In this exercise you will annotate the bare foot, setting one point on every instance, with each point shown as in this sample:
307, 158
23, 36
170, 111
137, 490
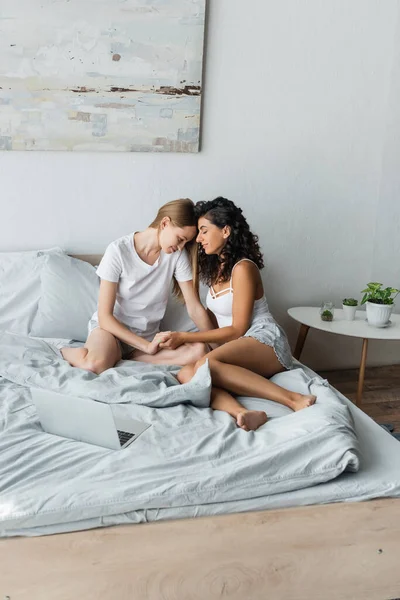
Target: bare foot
69, 354
300, 401
74, 356
250, 420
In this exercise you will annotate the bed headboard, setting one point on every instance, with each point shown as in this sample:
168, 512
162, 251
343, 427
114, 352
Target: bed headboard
93, 259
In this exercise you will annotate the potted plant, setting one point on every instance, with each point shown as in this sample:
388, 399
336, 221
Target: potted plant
326, 311
327, 315
379, 302
349, 308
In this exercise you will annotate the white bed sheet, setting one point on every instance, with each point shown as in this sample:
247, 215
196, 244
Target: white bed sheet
378, 476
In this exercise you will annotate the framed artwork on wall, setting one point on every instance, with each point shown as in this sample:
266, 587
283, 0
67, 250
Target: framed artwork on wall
101, 75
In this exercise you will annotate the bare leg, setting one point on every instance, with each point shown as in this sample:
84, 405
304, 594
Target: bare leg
222, 400
100, 352
250, 354
186, 373
246, 383
75, 356
242, 367
185, 354
249, 420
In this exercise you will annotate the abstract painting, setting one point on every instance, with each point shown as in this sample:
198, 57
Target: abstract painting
101, 75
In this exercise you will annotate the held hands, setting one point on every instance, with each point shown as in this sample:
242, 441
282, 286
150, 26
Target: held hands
165, 339
173, 340
157, 343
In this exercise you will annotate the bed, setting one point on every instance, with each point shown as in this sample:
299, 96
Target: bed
193, 463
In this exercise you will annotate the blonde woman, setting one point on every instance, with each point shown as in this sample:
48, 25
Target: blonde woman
136, 272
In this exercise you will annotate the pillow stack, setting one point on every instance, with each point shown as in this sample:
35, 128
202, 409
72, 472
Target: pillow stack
20, 288
46, 293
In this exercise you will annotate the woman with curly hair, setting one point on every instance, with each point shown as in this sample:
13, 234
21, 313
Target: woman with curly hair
249, 346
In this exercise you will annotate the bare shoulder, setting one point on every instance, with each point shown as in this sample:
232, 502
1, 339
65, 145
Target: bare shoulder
247, 276
246, 269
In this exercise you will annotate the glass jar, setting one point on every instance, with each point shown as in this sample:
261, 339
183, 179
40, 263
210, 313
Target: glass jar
326, 311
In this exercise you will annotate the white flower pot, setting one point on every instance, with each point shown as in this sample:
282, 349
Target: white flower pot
349, 312
378, 315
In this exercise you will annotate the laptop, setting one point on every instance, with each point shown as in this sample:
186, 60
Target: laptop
84, 420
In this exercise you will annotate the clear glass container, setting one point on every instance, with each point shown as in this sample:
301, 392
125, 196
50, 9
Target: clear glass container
326, 311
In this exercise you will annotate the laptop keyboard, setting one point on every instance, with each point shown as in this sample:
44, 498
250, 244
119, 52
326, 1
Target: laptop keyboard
124, 436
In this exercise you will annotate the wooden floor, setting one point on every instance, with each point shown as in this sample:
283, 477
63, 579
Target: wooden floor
381, 396
334, 552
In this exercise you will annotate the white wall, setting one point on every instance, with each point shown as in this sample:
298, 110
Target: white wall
386, 254
301, 110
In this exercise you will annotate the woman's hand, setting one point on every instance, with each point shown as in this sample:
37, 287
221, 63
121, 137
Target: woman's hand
174, 340
154, 346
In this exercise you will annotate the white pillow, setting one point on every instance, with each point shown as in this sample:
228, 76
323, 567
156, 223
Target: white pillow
69, 293
20, 288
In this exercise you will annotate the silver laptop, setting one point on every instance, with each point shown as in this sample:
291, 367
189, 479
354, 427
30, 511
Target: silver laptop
84, 420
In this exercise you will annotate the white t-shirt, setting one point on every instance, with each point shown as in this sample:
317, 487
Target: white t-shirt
143, 289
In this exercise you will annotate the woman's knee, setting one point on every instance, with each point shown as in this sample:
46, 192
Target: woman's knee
186, 373
212, 363
97, 365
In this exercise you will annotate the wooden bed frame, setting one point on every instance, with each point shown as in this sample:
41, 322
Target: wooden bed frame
329, 552
93, 259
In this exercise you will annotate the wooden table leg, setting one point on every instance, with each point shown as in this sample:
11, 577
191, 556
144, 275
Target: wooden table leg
362, 372
301, 338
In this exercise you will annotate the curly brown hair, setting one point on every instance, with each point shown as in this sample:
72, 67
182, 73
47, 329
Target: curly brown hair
242, 243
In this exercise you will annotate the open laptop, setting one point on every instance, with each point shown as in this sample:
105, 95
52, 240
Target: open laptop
84, 420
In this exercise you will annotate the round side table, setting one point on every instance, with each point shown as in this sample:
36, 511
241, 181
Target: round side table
309, 316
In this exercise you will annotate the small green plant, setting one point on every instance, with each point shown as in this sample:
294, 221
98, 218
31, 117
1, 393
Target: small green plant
327, 315
374, 293
350, 302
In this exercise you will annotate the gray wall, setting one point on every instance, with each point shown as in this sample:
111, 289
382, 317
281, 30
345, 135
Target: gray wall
301, 128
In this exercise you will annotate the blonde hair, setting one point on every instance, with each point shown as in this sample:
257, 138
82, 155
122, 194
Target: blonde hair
181, 213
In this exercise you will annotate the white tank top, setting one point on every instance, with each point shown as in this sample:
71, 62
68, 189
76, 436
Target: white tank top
220, 303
